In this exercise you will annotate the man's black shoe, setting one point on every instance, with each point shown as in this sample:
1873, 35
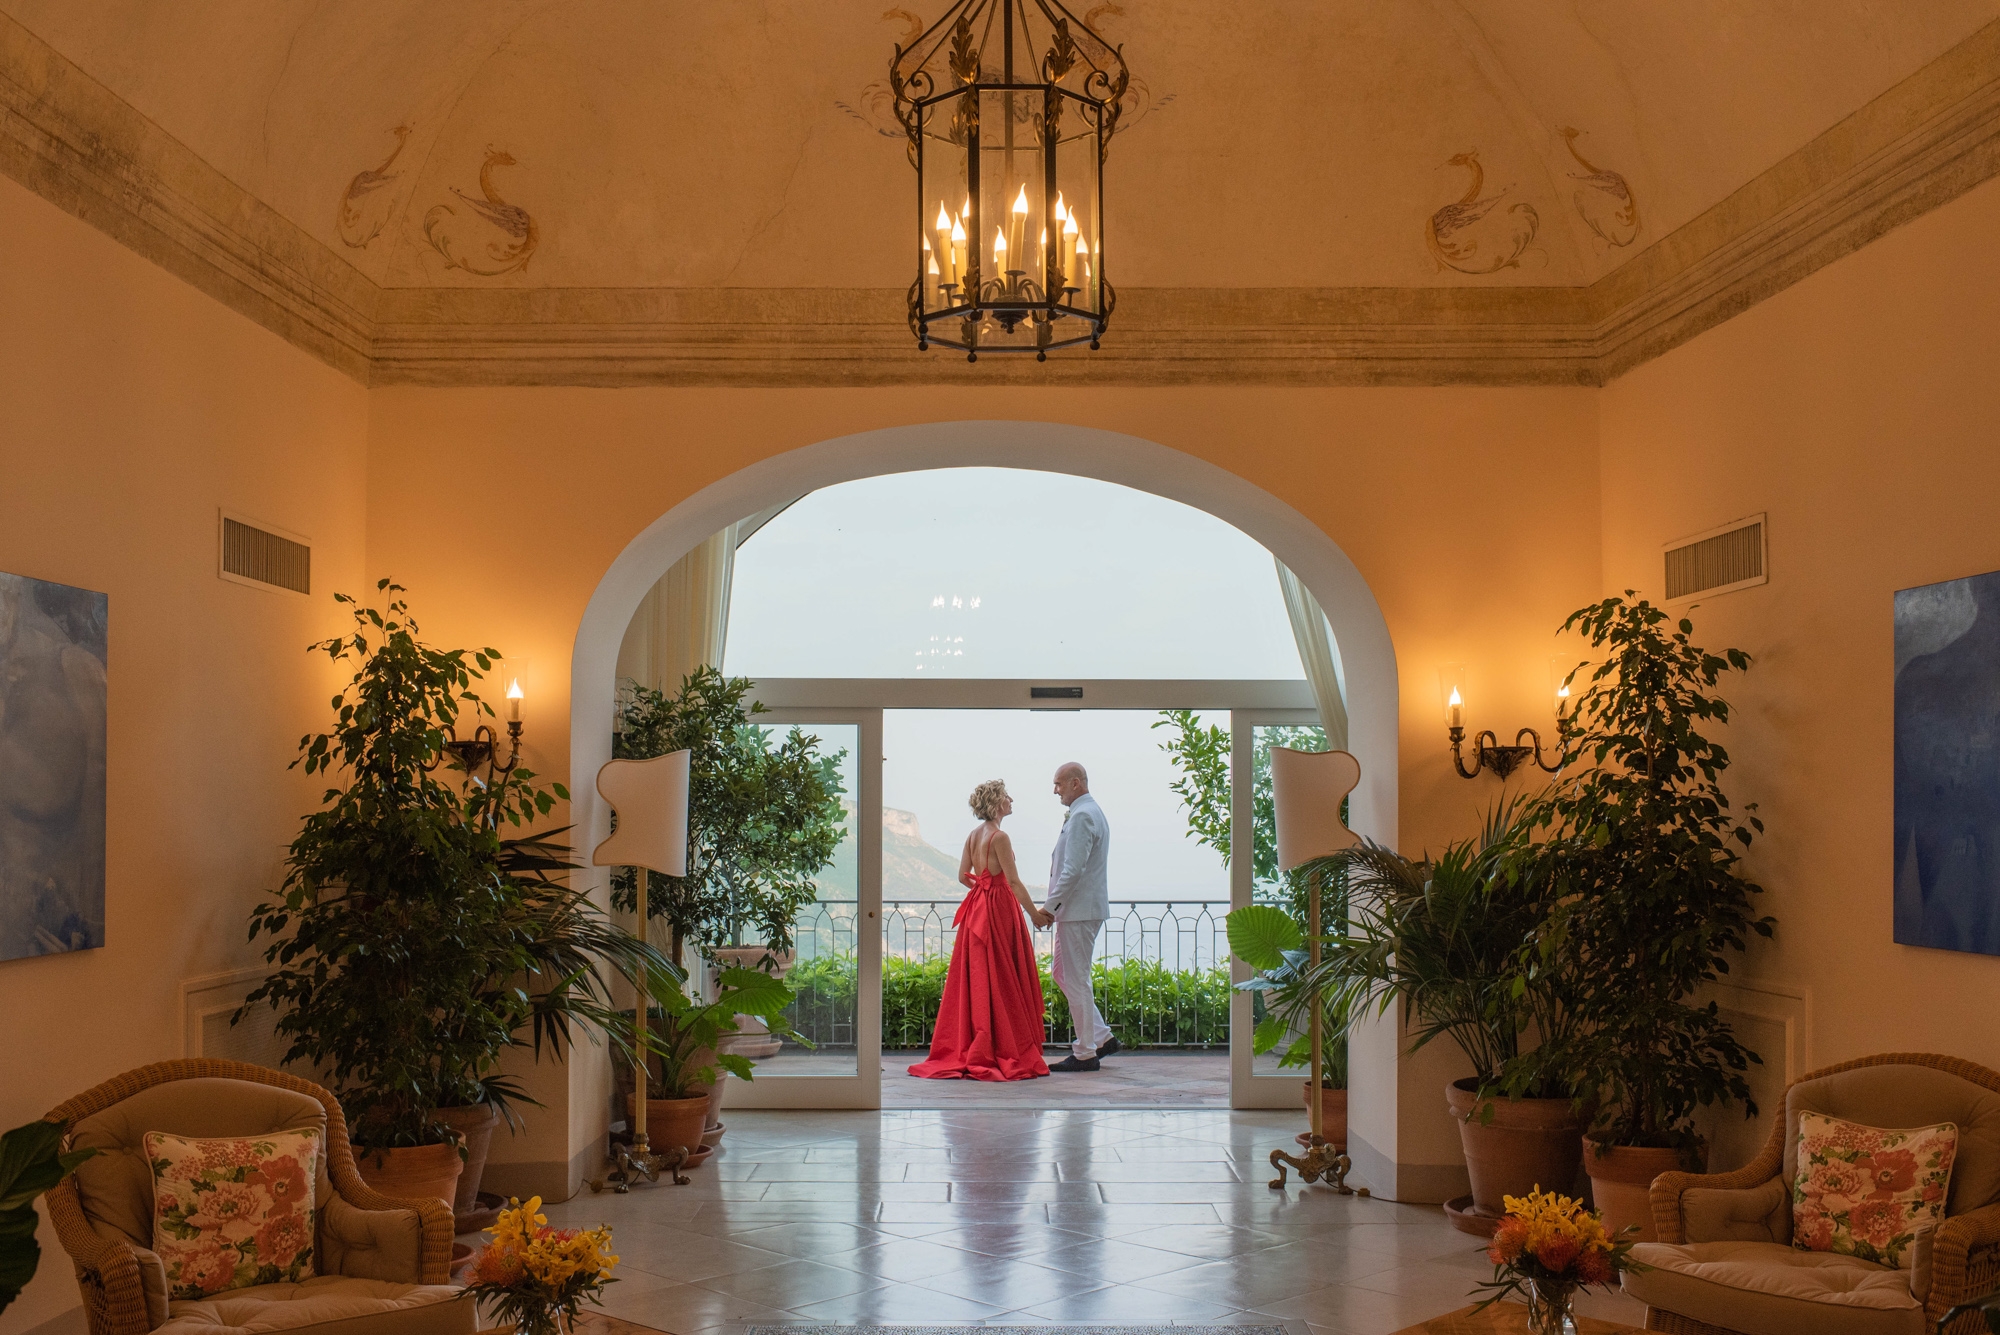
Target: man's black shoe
1111, 1045
1070, 1063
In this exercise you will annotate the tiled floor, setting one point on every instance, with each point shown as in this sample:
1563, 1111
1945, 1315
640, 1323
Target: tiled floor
1024, 1216
1128, 1080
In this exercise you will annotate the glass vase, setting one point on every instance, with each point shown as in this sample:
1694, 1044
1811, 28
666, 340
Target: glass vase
1550, 1308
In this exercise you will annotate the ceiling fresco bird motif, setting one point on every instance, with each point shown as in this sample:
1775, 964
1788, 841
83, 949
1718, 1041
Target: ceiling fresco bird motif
1605, 202
365, 209
1476, 236
505, 253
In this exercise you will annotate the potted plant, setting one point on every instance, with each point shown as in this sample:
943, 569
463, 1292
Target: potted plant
1442, 936
682, 1052
1272, 941
414, 945
1644, 853
32, 1161
764, 818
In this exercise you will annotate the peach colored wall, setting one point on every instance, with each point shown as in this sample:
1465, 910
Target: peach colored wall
1858, 409
135, 407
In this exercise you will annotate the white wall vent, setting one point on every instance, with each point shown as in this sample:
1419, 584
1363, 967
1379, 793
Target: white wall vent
264, 557
1721, 560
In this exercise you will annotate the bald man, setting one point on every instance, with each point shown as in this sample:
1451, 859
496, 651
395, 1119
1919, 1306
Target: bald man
1080, 900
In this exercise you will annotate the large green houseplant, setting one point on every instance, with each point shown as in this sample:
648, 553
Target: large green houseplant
414, 944
764, 814
1642, 845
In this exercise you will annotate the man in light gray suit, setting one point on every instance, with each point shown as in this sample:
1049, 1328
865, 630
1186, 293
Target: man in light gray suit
1080, 900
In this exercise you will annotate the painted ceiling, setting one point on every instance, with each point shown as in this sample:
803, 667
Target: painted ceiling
738, 143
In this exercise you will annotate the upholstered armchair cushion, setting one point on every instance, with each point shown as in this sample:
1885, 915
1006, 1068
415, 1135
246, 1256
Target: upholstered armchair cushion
1746, 1214
328, 1305
1770, 1288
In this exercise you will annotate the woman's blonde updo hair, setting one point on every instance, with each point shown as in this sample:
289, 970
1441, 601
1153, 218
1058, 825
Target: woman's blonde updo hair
986, 799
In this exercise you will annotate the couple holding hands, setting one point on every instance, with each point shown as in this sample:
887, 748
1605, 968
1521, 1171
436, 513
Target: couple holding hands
990, 1025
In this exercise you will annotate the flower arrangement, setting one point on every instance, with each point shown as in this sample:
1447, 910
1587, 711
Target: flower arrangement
537, 1276
1547, 1248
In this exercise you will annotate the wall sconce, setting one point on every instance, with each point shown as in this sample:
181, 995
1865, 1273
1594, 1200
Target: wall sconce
483, 747
1487, 752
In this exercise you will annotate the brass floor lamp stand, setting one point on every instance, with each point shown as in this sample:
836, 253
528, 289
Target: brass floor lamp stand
631, 1162
1322, 1161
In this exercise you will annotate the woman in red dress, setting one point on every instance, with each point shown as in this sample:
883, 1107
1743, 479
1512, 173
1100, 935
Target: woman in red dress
990, 1026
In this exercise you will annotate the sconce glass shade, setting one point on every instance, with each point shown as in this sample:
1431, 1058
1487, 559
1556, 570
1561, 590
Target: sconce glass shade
1452, 694
504, 690
1009, 106
1568, 680
1307, 788
650, 800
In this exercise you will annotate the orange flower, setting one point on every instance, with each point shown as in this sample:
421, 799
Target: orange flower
1557, 1252
1594, 1267
1509, 1240
497, 1265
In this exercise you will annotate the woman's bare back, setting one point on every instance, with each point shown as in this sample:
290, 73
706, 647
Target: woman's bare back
979, 849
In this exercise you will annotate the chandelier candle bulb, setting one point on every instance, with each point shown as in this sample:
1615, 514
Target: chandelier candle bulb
999, 252
1069, 240
931, 284
958, 245
943, 254
1455, 710
1017, 225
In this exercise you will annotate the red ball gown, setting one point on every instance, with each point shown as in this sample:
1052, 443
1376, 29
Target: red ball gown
990, 1026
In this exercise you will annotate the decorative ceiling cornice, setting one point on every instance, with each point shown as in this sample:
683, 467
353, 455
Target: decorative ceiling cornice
1920, 144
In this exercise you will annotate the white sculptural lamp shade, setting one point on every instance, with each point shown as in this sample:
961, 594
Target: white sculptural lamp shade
650, 798
1307, 788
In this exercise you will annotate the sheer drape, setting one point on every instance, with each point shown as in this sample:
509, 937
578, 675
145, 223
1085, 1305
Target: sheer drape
1316, 654
683, 621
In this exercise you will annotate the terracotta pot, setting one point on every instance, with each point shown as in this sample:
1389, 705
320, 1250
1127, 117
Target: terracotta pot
1621, 1182
412, 1172
475, 1126
1332, 1112
672, 1122
1526, 1143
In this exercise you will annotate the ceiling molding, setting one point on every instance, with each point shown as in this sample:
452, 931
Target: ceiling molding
1920, 144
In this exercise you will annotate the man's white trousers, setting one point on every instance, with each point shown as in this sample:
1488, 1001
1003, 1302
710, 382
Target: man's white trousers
1076, 942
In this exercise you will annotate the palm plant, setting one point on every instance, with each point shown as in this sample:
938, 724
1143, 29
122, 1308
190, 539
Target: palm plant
1444, 936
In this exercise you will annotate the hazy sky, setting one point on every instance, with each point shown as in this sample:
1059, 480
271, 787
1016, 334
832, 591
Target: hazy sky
991, 572
999, 572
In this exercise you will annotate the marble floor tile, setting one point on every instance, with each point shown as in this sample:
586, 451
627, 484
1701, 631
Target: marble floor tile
791, 1285
899, 1304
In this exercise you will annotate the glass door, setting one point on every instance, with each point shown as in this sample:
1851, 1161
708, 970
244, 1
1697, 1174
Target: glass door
1258, 1081
836, 965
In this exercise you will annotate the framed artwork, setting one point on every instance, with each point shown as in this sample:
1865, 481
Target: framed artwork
1948, 765
52, 737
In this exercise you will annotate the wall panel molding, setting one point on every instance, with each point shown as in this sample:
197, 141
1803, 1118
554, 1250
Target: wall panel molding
1922, 143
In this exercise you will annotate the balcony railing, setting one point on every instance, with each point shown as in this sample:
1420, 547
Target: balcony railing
1161, 975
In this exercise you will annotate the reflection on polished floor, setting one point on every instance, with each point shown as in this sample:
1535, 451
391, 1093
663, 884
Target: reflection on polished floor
1024, 1217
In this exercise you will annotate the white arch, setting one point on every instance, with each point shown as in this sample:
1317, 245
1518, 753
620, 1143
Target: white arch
1368, 658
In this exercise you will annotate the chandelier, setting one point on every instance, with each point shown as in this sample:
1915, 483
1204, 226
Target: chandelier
1010, 106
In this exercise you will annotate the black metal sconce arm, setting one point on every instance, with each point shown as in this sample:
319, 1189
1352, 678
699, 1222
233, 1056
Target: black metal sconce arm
1487, 753
483, 749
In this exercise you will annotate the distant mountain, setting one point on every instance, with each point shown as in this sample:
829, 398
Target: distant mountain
912, 868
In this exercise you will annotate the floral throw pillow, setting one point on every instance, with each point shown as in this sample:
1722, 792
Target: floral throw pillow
1865, 1191
231, 1213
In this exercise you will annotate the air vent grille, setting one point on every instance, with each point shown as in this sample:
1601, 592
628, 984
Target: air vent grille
258, 556
1720, 561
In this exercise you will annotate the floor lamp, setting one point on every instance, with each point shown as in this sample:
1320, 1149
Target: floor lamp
1307, 789
649, 806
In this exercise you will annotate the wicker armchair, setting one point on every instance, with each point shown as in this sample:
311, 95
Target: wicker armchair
1725, 1239
383, 1263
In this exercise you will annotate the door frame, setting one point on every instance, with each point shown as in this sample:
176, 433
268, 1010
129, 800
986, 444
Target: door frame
863, 1089
1247, 1089
863, 700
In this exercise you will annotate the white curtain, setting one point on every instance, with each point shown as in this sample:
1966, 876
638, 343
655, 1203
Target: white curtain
1317, 654
683, 621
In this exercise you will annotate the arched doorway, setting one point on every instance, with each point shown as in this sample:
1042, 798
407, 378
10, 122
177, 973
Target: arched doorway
1355, 619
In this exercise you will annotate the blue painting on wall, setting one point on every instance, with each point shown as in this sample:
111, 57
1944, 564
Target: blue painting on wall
1948, 765
52, 719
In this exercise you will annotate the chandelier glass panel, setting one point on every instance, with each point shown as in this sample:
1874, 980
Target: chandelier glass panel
1010, 106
